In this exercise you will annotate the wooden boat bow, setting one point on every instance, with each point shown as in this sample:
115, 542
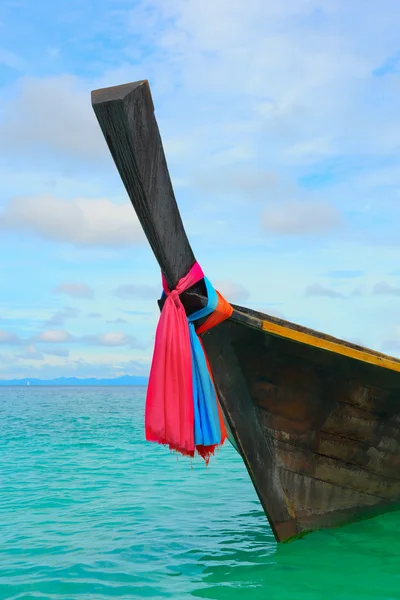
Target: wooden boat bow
315, 419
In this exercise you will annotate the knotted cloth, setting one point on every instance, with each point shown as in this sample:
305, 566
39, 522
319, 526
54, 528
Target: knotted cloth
182, 408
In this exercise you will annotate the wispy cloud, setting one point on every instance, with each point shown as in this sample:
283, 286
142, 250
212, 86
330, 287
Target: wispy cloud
9, 337
391, 345
232, 291
10, 59
53, 336
301, 218
316, 289
62, 315
385, 289
81, 222
31, 353
114, 338
74, 290
55, 351
50, 114
344, 274
118, 320
391, 65
130, 290
61, 336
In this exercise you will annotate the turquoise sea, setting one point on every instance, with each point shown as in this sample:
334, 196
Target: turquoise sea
88, 509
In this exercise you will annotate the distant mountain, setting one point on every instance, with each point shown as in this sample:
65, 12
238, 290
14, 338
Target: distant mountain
75, 381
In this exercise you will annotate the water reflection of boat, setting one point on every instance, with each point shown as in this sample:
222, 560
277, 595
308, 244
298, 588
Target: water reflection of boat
315, 419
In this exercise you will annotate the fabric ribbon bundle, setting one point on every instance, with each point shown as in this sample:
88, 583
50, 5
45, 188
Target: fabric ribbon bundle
182, 408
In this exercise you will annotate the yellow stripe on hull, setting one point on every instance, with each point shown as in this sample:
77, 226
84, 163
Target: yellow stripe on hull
331, 346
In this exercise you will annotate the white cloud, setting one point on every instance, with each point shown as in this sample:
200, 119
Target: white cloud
290, 87
53, 113
81, 222
56, 351
344, 274
289, 58
10, 59
113, 338
128, 291
385, 289
61, 336
299, 74
53, 336
301, 218
9, 337
268, 310
391, 345
31, 353
232, 291
75, 290
316, 289
288, 90
62, 315
119, 320
232, 180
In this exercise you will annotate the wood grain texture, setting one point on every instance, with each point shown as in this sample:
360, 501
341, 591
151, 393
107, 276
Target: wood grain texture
332, 425
126, 117
240, 412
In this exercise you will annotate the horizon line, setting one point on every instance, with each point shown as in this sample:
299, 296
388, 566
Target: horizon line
73, 378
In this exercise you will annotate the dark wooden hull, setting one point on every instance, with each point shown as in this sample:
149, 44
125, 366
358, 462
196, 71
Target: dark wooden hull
319, 431
315, 419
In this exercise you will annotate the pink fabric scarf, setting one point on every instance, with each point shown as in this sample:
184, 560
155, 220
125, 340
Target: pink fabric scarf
171, 421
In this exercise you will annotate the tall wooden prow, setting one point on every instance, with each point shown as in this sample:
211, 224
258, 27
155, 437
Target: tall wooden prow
126, 117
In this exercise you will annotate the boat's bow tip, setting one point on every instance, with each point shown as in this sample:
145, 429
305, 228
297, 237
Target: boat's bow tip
116, 92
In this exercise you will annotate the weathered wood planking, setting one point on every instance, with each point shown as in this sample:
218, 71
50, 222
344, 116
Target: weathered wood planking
126, 117
318, 504
334, 422
257, 451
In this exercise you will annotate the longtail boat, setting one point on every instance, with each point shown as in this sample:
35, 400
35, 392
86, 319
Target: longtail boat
315, 419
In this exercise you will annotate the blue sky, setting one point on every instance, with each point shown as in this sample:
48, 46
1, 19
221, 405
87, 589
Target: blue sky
281, 127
